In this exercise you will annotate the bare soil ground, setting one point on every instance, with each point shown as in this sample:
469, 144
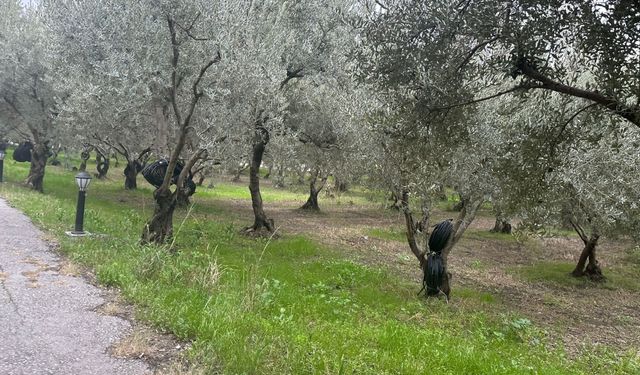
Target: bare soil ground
577, 316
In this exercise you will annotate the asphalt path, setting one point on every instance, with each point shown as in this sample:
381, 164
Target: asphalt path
47, 320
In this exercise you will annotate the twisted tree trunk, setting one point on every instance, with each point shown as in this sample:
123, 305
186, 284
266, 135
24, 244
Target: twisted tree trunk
587, 263
502, 224
131, 174
102, 165
38, 163
84, 156
261, 221
314, 190
159, 228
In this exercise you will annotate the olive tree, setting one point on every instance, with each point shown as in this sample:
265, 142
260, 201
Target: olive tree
526, 45
326, 121
278, 44
575, 166
182, 44
29, 101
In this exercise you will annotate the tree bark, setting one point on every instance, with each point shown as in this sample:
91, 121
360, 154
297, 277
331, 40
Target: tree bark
261, 221
84, 156
411, 229
131, 175
502, 224
396, 198
314, 190
587, 263
53, 160
35, 178
102, 165
161, 117
466, 216
182, 197
159, 228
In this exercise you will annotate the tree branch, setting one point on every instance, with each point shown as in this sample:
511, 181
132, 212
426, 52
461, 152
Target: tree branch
183, 124
187, 167
142, 154
615, 106
187, 30
291, 74
523, 86
465, 217
580, 231
474, 50
411, 228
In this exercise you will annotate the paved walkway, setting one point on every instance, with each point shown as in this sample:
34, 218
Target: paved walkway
47, 323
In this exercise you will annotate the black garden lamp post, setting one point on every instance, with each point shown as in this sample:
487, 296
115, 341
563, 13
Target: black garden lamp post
83, 179
2, 154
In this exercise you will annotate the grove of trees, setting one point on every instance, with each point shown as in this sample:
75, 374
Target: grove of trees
531, 106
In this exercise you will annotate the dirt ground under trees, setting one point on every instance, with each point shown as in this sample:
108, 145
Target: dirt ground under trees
577, 315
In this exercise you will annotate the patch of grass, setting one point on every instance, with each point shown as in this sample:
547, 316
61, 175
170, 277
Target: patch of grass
468, 293
559, 273
241, 192
478, 265
551, 300
288, 305
388, 234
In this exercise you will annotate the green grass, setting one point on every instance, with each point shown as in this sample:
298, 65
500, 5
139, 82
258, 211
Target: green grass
558, 273
388, 234
289, 305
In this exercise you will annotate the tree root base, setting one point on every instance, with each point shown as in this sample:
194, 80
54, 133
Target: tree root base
593, 273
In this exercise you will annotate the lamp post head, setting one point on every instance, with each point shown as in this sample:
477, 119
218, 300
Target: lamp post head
83, 179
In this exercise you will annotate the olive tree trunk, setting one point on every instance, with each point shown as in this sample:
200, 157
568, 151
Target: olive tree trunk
467, 214
84, 156
131, 175
159, 228
261, 221
502, 224
315, 187
102, 165
35, 178
587, 263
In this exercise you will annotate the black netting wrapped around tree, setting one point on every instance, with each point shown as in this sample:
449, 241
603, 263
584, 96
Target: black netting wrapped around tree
440, 236
433, 274
154, 173
191, 186
23, 152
